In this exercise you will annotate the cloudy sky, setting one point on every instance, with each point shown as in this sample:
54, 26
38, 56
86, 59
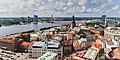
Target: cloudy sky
59, 7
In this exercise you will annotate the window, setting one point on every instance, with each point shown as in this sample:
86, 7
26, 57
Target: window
116, 38
59, 53
59, 57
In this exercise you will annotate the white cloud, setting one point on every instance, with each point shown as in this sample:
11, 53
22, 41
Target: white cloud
65, 8
51, 1
69, 3
82, 2
95, 1
83, 9
109, 1
30, 7
115, 7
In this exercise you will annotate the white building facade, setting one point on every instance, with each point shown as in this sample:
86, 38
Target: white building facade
36, 51
112, 34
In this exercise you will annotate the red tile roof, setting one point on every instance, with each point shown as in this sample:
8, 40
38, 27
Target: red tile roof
27, 43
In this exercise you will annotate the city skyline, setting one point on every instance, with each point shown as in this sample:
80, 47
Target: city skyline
59, 8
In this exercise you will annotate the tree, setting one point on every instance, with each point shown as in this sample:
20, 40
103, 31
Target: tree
27, 37
101, 52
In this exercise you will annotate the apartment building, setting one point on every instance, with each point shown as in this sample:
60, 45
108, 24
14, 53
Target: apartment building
112, 34
38, 49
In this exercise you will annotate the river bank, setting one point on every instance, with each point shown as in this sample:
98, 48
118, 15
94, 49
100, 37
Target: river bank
14, 29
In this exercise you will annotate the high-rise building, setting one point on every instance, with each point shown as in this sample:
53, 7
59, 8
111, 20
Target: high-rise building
104, 19
35, 18
28, 18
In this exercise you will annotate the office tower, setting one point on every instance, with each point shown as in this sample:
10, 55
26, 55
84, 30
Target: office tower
104, 19
35, 18
28, 18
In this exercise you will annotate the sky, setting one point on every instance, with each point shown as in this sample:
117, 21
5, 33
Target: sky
10, 8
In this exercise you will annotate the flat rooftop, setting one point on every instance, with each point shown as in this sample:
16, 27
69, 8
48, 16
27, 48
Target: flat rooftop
112, 30
40, 44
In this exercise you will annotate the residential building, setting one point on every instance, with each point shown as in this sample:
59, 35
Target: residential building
112, 34
7, 44
39, 48
114, 54
91, 53
79, 44
34, 37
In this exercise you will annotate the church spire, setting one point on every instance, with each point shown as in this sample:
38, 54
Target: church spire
73, 21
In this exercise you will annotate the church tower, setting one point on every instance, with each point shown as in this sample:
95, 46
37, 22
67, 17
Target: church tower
73, 24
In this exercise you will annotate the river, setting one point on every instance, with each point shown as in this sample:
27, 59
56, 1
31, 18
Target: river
7, 30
